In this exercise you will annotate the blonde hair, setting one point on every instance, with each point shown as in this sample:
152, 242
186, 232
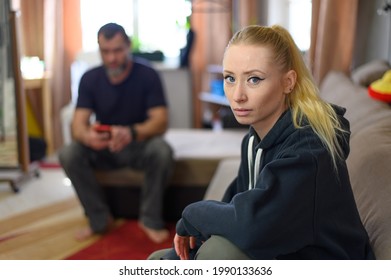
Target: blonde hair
304, 100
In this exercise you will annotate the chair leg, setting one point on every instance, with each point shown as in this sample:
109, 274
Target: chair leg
14, 186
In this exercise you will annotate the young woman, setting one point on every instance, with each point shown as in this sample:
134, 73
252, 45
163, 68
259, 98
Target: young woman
292, 197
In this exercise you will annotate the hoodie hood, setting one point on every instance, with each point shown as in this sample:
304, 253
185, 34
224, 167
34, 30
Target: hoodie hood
284, 127
281, 131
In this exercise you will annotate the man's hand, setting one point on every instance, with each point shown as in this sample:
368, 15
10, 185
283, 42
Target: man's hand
183, 244
97, 140
120, 137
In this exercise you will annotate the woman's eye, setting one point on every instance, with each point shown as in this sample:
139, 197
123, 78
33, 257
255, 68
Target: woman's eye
255, 80
229, 79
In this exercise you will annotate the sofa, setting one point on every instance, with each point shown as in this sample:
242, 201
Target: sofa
369, 161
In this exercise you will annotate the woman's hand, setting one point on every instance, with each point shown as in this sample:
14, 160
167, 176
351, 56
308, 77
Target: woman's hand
183, 244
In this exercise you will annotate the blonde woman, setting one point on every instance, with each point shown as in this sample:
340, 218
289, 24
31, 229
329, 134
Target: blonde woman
292, 197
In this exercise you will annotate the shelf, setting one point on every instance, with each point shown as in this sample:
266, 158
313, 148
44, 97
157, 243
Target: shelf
214, 98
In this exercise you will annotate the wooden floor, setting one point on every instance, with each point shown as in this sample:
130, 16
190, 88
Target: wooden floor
51, 186
43, 234
39, 222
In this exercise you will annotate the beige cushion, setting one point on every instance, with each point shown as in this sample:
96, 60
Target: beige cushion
369, 72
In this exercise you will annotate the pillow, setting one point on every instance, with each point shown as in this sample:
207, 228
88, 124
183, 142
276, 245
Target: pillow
381, 89
369, 72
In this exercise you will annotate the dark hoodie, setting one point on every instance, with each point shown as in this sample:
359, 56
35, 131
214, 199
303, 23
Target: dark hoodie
287, 202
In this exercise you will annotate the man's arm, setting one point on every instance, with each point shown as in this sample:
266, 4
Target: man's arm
85, 133
81, 124
156, 124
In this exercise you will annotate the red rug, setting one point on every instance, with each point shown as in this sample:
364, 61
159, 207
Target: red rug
127, 242
49, 165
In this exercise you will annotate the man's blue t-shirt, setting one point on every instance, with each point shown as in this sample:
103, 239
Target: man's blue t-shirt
123, 104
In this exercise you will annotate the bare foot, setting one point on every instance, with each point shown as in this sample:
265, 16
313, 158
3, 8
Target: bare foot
87, 232
84, 234
156, 235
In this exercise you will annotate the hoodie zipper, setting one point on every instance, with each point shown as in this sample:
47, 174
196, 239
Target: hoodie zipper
253, 167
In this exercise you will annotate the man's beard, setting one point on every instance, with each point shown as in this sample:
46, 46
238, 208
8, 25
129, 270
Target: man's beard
115, 72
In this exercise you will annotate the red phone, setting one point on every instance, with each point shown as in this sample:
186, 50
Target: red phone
103, 128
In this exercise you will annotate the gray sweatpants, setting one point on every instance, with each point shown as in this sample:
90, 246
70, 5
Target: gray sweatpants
215, 248
154, 157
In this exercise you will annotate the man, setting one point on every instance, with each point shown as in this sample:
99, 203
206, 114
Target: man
127, 99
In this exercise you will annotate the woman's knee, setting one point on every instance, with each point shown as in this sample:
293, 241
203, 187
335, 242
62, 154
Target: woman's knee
220, 248
158, 255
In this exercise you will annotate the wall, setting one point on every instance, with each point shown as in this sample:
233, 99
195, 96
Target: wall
177, 84
373, 34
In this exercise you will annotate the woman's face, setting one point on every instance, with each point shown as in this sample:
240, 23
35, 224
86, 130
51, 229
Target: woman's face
255, 86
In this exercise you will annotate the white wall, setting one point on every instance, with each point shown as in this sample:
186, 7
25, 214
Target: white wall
177, 84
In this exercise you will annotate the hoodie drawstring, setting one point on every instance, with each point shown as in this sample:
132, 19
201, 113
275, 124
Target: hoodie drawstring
253, 169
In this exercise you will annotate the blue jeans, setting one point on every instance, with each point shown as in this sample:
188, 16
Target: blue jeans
154, 157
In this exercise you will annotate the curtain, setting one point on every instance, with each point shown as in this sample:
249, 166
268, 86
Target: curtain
332, 36
246, 12
51, 30
55, 60
32, 28
66, 41
211, 22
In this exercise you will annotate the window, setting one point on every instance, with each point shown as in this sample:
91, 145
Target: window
294, 15
300, 22
94, 14
154, 24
